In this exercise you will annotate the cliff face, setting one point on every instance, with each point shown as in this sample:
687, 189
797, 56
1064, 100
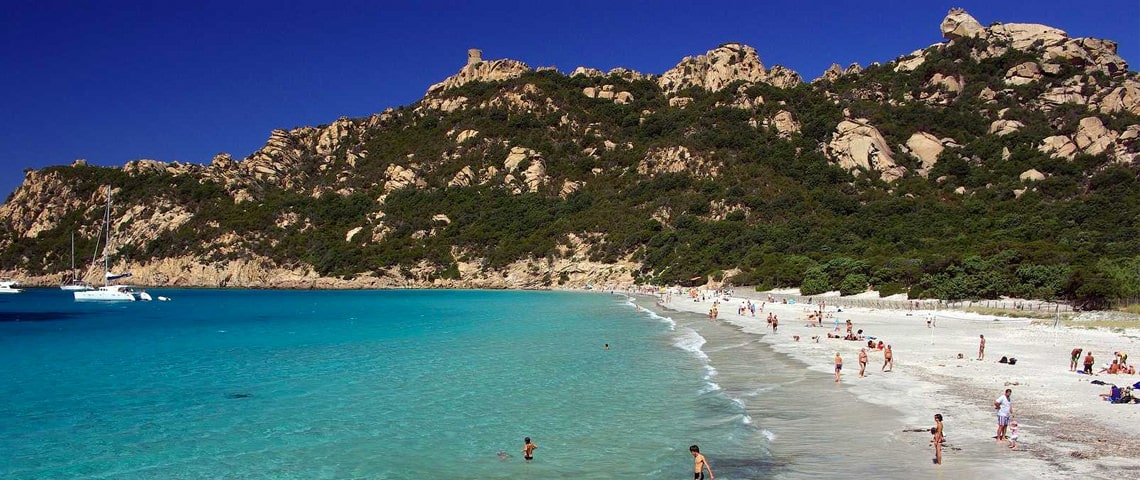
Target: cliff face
504, 176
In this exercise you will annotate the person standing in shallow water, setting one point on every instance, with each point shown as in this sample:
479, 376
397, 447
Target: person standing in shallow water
937, 440
862, 361
888, 359
838, 366
700, 463
528, 449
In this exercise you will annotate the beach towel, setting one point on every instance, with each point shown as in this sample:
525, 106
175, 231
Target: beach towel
1098, 382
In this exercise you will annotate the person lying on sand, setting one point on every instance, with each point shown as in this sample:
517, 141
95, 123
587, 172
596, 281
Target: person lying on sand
1112, 369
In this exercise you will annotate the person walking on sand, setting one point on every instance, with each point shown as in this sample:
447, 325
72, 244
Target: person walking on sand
862, 361
888, 360
528, 449
1074, 358
938, 437
838, 366
981, 347
1004, 407
700, 464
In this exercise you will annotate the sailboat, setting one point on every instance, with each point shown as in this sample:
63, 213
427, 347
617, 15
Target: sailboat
110, 292
74, 284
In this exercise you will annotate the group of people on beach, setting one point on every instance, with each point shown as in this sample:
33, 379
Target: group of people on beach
1119, 363
1119, 366
749, 308
888, 361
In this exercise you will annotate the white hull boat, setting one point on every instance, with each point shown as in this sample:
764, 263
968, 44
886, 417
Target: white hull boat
109, 292
9, 286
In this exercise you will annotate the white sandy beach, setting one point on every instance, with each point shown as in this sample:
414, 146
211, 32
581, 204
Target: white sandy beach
1066, 428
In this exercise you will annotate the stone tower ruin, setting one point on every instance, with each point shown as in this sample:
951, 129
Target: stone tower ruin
474, 56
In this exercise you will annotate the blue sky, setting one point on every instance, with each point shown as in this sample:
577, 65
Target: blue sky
112, 81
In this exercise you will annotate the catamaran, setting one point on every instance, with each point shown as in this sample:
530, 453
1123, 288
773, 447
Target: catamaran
109, 291
74, 284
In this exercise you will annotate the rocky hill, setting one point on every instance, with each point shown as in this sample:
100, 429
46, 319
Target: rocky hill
1002, 161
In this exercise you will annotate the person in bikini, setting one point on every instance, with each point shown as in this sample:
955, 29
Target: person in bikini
528, 449
700, 463
938, 438
862, 361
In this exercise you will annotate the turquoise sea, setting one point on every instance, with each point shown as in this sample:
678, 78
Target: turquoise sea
252, 384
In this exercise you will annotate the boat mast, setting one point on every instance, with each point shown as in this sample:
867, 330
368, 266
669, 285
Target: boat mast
107, 246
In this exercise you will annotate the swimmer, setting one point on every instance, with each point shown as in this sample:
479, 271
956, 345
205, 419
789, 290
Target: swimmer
528, 449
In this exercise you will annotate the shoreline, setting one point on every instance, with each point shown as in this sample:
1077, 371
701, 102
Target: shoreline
1066, 428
